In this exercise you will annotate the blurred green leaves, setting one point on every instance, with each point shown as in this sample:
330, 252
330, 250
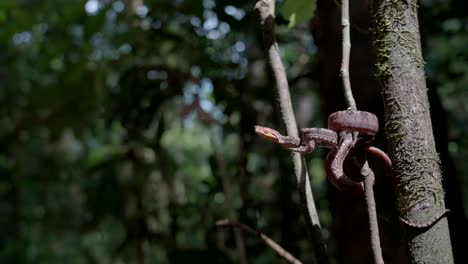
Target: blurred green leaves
97, 162
298, 11
105, 154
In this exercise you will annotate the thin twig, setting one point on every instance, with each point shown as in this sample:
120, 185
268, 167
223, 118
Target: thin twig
275, 246
265, 10
346, 39
356, 27
366, 170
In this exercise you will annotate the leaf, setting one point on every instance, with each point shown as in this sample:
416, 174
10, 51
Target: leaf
104, 154
299, 11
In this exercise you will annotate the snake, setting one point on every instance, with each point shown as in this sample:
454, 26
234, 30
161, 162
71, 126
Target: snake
363, 122
345, 123
309, 138
334, 167
339, 138
341, 122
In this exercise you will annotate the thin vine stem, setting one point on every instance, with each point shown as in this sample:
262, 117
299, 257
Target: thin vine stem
346, 51
366, 170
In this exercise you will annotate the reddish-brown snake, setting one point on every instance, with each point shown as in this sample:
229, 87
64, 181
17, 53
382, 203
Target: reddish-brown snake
339, 138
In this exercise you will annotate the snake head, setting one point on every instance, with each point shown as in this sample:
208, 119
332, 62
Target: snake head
268, 133
288, 142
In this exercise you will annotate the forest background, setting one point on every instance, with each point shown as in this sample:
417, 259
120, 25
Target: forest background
127, 128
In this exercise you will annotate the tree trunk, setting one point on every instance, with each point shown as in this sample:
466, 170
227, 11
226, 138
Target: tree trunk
416, 168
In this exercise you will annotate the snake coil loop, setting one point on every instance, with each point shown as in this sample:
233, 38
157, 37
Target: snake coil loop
352, 120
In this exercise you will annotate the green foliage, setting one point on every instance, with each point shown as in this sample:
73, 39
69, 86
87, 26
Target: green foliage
299, 11
96, 159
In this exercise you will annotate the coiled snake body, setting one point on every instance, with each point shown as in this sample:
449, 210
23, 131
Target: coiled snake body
342, 122
347, 130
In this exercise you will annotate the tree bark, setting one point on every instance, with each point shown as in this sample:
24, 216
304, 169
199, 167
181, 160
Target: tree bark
416, 169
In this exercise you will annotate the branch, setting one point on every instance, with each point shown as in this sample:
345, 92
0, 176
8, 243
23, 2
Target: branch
265, 10
366, 170
344, 71
277, 248
354, 26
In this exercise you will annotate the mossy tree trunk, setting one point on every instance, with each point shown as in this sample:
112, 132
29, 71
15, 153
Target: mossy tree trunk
400, 70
